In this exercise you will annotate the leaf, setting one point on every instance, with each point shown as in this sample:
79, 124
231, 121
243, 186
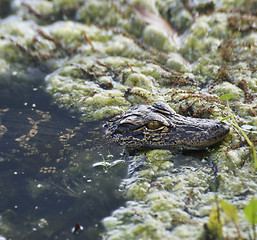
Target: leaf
154, 19
101, 164
225, 118
226, 97
250, 143
250, 211
229, 210
214, 224
114, 163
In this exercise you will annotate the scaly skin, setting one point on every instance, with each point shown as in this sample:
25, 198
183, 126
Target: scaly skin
159, 126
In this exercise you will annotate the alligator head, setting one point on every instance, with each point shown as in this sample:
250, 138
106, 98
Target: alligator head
159, 126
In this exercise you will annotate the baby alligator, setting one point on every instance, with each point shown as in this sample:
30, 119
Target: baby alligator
159, 126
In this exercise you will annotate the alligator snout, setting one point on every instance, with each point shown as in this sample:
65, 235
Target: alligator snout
213, 133
222, 127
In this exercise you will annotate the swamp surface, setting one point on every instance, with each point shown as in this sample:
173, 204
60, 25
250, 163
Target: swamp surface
67, 66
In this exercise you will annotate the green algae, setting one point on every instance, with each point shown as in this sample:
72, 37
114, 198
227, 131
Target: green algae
158, 39
111, 15
99, 72
136, 79
226, 88
206, 35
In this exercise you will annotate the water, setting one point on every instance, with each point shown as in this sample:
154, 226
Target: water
48, 181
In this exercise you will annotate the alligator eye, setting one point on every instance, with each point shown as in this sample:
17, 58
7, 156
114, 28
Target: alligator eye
153, 125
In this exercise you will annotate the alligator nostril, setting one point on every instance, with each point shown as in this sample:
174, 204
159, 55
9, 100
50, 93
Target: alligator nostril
224, 127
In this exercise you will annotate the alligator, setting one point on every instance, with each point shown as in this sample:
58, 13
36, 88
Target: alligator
159, 126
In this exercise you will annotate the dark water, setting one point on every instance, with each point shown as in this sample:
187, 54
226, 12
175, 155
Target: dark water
48, 181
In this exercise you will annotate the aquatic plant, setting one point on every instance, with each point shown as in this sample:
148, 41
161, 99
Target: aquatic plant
74, 189
232, 213
250, 211
214, 226
106, 165
250, 143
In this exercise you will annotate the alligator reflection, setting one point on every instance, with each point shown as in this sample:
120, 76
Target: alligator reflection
47, 179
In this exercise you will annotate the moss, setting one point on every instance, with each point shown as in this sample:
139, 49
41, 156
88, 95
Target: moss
71, 33
206, 68
232, 4
13, 26
237, 155
44, 8
251, 38
153, 70
67, 3
206, 35
17, 29
122, 46
226, 87
148, 4
87, 97
159, 155
118, 62
254, 121
177, 62
98, 11
181, 20
139, 80
110, 223
175, 13
103, 105
158, 38
219, 26
138, 192
160, 203
96, 97
187, 231
109, 14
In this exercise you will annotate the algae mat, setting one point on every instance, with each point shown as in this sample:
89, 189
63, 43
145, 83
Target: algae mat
101, 57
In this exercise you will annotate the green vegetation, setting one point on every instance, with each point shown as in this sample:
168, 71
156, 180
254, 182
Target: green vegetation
231, 213
102, 57
214, 226
250, 143
106, 165
250, 211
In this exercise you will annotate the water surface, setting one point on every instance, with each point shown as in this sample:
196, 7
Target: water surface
48, 181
